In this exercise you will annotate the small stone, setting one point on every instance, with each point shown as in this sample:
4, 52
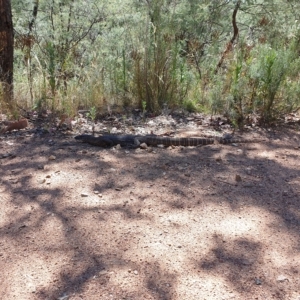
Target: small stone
238, 178
258, 281
135, 272
96, 192
118, 147
143, 146
218, 159
248, 185
48, 176
247, 262
84, 194
77, 160
52, 157
103, 272
118, 189
160, 146
282, 278
42, 180
41, 167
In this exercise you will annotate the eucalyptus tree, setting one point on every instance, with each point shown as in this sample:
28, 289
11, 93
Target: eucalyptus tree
6, 52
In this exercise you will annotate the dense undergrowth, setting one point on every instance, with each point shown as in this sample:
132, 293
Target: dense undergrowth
158, 54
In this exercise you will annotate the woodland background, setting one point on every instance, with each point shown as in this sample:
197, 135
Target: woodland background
237, 58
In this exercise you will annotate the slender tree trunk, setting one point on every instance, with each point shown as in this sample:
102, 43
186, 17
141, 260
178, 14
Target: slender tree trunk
6, 52
229, 46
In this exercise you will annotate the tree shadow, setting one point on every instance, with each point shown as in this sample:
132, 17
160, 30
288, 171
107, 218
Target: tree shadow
184, 180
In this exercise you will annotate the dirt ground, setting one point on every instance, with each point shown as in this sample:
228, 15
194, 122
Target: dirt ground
211, 222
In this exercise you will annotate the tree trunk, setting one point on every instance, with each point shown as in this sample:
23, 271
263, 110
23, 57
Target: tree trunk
229, 46
6, 52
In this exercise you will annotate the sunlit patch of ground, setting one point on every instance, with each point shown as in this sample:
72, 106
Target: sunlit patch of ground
171, 224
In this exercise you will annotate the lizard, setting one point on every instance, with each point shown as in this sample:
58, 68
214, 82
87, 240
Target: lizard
134, 141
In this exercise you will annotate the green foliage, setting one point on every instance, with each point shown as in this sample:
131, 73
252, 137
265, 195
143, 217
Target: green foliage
269, 71
50, 66
159, 53
92, 113
190, 105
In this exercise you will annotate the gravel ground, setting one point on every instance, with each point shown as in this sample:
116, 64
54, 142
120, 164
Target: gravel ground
211, 222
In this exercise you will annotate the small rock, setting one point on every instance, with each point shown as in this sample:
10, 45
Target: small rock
118, 147
48, 176
258, 281
96, 192
52, 157
42, 181
135, 272
282, 278
218, 159
160, 146
118, 189
84, 194
41, 167
247, 262
248, 185
238, 178
143, 146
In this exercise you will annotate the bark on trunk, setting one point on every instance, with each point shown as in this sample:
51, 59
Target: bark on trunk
6, 52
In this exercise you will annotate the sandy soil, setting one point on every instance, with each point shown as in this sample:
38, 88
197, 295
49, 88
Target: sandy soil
212, 222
